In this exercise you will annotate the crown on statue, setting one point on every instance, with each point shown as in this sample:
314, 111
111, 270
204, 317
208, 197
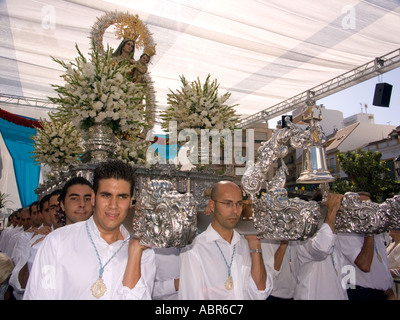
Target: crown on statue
131, 27
150, 50
127, 26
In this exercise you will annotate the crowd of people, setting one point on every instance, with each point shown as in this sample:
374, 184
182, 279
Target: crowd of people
72, 244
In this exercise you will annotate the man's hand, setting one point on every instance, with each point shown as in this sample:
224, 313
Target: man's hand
254, 242
333, 204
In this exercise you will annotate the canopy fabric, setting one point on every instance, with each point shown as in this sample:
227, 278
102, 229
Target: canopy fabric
262, 51
17, 138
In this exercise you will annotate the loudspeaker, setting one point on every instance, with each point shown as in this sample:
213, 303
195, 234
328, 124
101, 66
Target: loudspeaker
383, 91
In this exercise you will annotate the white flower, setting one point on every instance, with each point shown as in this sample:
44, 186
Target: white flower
97, 90
58, 144
207, 122
198, 106
98, 105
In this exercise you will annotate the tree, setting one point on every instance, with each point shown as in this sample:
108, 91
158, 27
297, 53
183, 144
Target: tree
366, 172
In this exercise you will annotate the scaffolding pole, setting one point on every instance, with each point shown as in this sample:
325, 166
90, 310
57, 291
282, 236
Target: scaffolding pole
365, 72
27, 102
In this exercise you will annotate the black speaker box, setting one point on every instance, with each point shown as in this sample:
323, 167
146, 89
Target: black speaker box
383, 91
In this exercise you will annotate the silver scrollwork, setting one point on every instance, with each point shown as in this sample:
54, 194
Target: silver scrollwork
164, 217
277, 217
367, 217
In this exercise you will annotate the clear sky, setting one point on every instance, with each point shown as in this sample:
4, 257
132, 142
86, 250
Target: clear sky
351, 100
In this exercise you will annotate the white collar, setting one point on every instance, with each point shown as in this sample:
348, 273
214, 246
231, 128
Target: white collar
96, 233
212, 235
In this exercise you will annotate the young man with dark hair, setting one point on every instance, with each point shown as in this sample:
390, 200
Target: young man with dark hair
96, 258
75, 200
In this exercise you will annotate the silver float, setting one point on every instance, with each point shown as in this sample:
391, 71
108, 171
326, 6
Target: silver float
164, 217
274, 216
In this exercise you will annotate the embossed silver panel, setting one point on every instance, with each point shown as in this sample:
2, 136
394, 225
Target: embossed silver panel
164, 217
366, 217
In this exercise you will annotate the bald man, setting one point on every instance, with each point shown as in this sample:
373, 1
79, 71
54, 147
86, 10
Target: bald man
221, 264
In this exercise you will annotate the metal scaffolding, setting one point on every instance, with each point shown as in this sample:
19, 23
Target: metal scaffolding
27, 102
367, 71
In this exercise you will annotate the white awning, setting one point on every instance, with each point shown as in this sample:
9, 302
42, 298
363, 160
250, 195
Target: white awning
262, 51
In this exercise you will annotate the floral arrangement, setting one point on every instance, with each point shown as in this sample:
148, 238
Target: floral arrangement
198, 106
58, 144
97, 91
133, 148
99, 97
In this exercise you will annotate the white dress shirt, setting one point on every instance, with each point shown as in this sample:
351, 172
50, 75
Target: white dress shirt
20, 258
379, 276
4, 237
167, 270
285, 278
320, 266
12, 239
34, 250
66, 266
393, 255
203, 270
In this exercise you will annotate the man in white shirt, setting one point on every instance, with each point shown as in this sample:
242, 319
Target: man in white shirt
320, 262
5, 234
44, 208
221, 264
96, 259
367, 254
43, 231
36, 216
54, 209
22, 248
280, 257
48, 207
166, 283
75, 200
23, 224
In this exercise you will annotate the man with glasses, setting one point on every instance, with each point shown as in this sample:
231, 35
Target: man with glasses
221, 264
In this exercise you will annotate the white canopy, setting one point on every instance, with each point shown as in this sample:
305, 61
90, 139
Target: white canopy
262, 51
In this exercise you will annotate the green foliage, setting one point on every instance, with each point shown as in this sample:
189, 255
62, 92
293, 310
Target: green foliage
366, 172
3, 199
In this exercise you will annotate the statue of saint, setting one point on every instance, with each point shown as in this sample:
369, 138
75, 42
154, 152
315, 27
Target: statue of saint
125, 53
